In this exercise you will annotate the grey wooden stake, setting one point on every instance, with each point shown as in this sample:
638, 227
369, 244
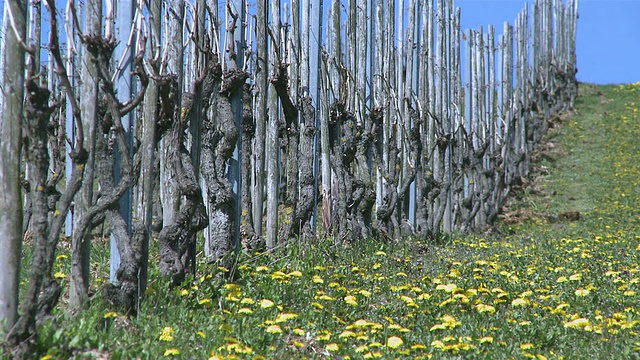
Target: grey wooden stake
146, 194
11, 114
69, 122
235, 173
491, 89
315, 45
260, 111
412, 85
215, 43
378, 96
469, 98
125, 88
272, 148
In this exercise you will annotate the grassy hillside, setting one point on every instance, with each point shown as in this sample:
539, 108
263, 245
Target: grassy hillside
558, 278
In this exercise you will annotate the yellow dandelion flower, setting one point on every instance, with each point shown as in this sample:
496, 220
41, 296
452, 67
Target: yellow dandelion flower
266, 303
245, 310
285, 317
232, 287
325, 297
575, 277
526, 294
183, 292
577, 323
619, 316
526, 346
351, 300
226, 327
381, 253
262, 268
59, 275
110, 314
409, 301
247, 301
362, 348
446, 302
462, 298
317, 305
166, 334
323, 337
274, 329
562, 279
519, 302
204, 301
201, 334
296, 273
559, 310
486, 339
471, 292
438, 327
360, 323
394, 342
232, 297
438, 344
346, 334
629, 293
365, 293
582, 292
61, 256
333, 347
450, 321
171, 352
317, 279
447, 288
47, 357
482, 308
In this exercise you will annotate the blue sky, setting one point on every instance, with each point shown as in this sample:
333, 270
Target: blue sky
608, 39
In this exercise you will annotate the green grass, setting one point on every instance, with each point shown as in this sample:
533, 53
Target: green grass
537, 289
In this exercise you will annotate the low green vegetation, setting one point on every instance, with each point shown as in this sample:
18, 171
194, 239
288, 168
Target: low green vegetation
558, 278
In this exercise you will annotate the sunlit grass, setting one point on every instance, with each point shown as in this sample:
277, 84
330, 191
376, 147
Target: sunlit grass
536, 290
